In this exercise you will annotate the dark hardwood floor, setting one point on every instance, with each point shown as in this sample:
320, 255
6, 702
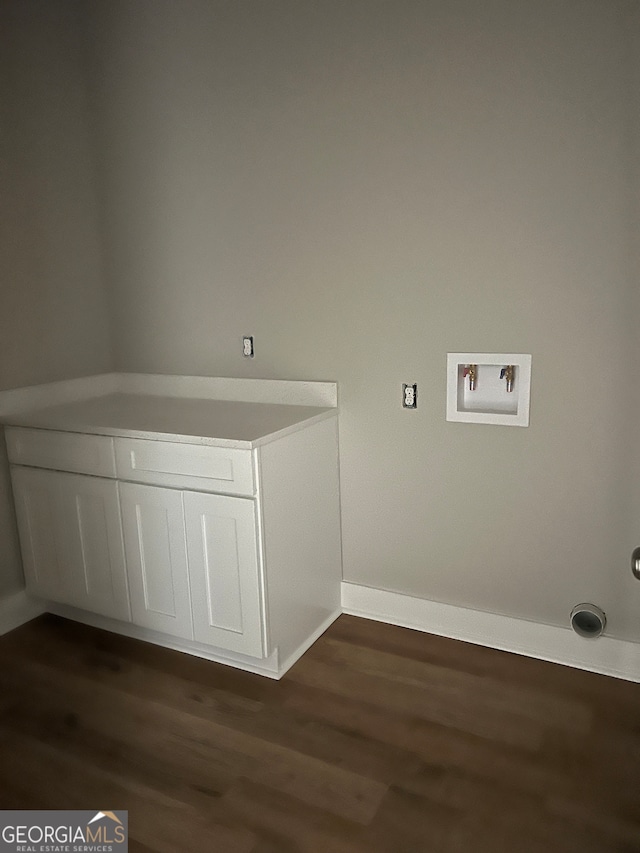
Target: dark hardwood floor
380, 740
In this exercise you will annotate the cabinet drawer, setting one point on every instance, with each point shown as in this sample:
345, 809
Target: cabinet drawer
185, 466
61, 451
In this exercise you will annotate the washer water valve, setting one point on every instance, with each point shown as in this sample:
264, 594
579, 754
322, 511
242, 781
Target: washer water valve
508, 374
471, 370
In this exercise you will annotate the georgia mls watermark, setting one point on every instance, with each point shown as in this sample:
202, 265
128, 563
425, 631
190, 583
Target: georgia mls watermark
64, 831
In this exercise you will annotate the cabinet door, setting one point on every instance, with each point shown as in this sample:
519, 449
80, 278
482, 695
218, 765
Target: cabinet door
225, 578
71, 539
153, 522
36, 502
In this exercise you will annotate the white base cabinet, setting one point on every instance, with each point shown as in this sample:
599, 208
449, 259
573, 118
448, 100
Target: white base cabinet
143, 535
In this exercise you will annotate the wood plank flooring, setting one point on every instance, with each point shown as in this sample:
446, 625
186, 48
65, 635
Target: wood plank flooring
380, 740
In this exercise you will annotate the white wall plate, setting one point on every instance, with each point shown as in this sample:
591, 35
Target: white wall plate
478, 393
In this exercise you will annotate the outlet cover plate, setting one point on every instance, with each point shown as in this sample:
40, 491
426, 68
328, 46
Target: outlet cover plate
247, 346
410, 396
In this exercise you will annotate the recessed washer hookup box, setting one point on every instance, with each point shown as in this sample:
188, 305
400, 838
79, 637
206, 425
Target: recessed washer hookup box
489, 388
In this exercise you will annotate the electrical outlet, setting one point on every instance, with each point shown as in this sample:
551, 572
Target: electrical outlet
410, 396
247, 346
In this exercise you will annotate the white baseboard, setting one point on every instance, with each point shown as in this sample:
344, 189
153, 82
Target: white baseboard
607, 656
604, 655
16, 609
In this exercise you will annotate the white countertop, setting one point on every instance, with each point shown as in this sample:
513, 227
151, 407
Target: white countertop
225, 423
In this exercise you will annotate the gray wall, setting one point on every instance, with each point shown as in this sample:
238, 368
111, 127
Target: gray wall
634, 314
54, 318
365, 186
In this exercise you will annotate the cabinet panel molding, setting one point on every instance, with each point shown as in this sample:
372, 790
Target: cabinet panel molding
36, 499
185, 466
61, 451
226, 582
153, 524
71, 537
90, 509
